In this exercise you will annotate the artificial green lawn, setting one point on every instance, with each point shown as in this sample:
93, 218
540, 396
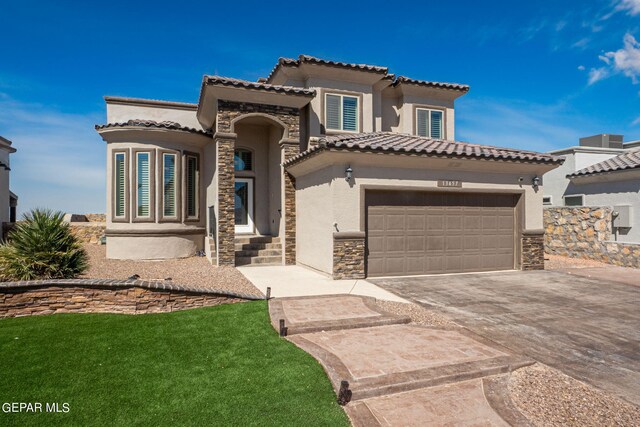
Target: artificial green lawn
220, 365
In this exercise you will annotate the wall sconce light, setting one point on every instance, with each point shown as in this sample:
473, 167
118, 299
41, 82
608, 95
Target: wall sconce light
348, 174
535, 181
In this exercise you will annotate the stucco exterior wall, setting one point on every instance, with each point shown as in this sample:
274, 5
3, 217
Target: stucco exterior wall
153, 247
4, 187
118, 113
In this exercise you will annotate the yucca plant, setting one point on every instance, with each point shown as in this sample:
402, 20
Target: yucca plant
41, 247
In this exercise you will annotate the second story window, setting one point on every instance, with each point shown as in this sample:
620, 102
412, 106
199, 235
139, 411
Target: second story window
341, 112
429, 123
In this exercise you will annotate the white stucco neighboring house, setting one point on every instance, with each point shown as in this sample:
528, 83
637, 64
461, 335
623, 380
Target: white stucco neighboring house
343, 168
8, 200
601, 171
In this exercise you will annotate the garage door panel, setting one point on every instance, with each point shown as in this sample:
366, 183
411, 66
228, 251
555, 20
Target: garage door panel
426, 233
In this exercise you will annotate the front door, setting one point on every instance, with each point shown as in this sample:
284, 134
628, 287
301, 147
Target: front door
244, 205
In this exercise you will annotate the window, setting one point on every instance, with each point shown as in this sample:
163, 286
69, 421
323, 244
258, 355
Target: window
169, 185
120, 185
429, 123
192, 178
143, 184
546, 200
242, 160
573, 200
341, 112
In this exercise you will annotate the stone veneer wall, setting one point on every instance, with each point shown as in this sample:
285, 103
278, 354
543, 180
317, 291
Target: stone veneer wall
106, 296
88, 232
228, 111
290, 150
532, 254
225, 234
585, 232
348, 255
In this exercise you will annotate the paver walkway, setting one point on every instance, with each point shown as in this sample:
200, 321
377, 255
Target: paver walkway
399, 373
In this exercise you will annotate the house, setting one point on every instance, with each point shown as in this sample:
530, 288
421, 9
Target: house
8, 200
343, 168
601, 171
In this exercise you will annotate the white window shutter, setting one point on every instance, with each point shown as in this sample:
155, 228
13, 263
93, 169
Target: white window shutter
143, 185
169, 184
350, 113
120, 172
333, 112
436, 124
422, 122
192, 186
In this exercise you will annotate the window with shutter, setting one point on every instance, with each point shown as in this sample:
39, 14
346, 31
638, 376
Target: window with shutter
243, 160
341, 113
422, 122
436, 124
169, 184
143, 185
192, 186
120, 169
429, 123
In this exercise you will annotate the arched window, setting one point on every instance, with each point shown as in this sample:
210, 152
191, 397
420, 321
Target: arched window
242, 160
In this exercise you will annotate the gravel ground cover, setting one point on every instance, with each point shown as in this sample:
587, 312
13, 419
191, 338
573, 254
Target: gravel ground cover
185, 271
555, 262
418, 315
547, 397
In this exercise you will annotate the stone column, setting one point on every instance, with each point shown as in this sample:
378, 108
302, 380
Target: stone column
532, 250
290, 148
348, 255
225, 227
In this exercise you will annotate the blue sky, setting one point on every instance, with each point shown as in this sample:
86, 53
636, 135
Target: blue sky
542, 73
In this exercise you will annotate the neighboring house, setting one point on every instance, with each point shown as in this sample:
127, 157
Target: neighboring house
8, 200
602, 171
343, 168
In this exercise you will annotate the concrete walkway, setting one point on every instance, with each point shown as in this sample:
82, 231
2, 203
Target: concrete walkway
390, 373
294, 281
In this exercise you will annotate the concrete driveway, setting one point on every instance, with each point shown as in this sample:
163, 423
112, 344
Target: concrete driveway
586, 327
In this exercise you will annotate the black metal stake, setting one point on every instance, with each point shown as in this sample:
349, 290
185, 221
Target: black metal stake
344, 395
283, 329
268, 293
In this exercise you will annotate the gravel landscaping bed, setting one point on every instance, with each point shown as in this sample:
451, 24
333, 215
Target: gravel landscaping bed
418, 315
547, 397
185, 271
555, 262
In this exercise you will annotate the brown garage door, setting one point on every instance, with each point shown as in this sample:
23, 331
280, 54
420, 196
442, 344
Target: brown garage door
426, 233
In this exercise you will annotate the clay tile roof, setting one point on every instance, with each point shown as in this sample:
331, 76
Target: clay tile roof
625, 161
152, 124
440, 85
395, 143
313, 60
226, 81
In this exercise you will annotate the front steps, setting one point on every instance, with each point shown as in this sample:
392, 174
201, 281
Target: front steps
258, 250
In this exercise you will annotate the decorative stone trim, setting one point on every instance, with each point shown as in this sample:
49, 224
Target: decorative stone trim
532, 253
41, 297
585, 232
289, 150
348, 255
225, 247
228, 111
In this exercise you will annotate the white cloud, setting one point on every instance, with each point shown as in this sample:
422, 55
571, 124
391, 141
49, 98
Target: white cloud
632, 7
636, 121
60, 160
581, 67
625, 60
597, 74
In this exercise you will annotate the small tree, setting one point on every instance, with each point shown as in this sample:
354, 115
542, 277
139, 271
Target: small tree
41, 247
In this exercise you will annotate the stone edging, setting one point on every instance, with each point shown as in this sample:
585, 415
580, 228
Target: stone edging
120, 284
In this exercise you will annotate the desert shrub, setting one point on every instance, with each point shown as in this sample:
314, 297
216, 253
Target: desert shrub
41, 247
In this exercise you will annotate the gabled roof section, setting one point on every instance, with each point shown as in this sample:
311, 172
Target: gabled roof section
153, 125
439, 85
245, 84
288, 62
5, 144
622, 162
394, 143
